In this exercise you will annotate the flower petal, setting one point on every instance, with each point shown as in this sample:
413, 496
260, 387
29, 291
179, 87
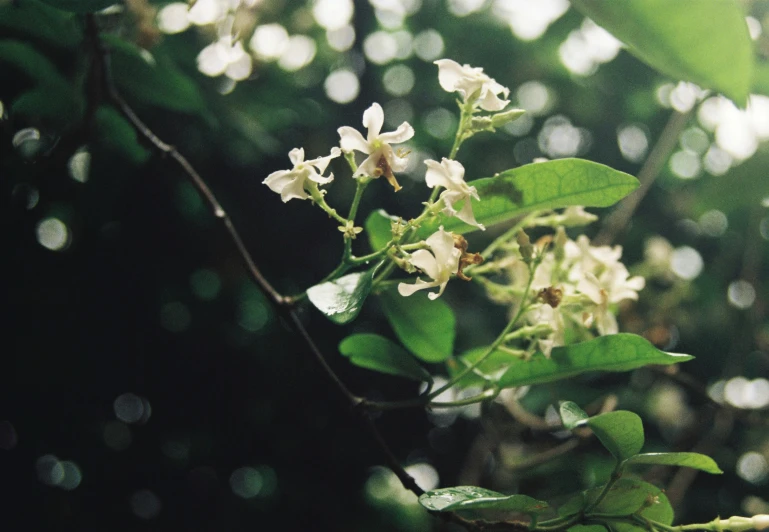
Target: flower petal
446, 255
368, 167
425, 261
277, 180
406, 290
350, 139
373, 118
449, 74
466, 215
296, 155
436, 175
322, 162
491, 102
402, 134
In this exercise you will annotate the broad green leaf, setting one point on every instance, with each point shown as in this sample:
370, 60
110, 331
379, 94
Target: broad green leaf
625, 497
117, 134
378, 229
616, 352
425, 327
490, 370
82, 6
546, 185
25, 58
377, 353
341, 300
60, 107
32, 19
706, 42
152, 79
586, 528
572, 415
693, 460
621, 432
473, 498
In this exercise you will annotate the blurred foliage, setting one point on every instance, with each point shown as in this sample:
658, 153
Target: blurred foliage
121, 281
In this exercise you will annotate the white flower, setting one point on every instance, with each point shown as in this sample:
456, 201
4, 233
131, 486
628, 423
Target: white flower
471, 83
440, 263
450, 175
612, 285
291, 183
381, 160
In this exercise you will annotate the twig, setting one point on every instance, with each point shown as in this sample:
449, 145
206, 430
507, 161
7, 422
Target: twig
616, 222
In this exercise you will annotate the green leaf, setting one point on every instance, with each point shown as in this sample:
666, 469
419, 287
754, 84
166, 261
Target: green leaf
586, 528
152, 79
621, 432
425, 327
572, 415
81, 6
378, 229
341, 300
117, 134
693, 460
377, 353
28, 60
546, 185
616, 352
473, 498
706, 42
30, 18
490, 370
626, 497
59, 106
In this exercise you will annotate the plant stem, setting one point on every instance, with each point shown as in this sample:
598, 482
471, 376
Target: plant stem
489, 350
615, 476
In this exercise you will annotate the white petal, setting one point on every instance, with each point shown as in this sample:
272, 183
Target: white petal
277, 180
446, 255
455, 172
590, 286
425, 261
449, 198
490, 102
368, 166
433, 296
296, 155
407, 289
436, 175
322, 162
294, 189
449, 74
373, 118
466, 215
402, 134
314, 176
351, 139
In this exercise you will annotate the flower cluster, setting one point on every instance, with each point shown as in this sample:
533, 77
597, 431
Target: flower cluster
443, 254
574, 286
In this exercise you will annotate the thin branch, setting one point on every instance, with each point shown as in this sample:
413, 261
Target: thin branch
616, 222
283, 304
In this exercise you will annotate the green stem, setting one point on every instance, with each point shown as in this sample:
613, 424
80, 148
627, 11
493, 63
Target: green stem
559, 523
507, 235
489, 350
320, 201
615, 476
491, 393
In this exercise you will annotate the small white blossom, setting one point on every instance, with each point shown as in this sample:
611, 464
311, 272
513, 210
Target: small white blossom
381, 160
450, 175
440, 263
291, 183
612, 285
473, 84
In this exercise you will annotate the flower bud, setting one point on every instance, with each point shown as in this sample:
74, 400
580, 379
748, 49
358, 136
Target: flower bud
501, 119
740, 524
526, 249
481, 123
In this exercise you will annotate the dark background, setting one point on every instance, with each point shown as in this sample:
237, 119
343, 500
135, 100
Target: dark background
130, 305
